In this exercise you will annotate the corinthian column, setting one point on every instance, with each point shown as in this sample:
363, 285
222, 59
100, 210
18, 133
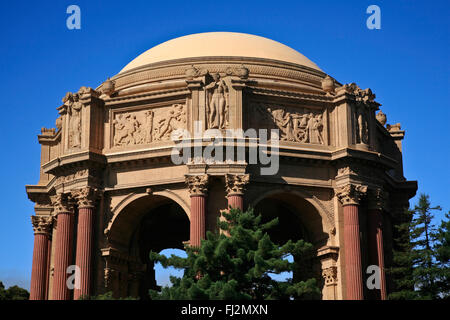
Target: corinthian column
349, 196
377, 199
42, 226
86, 207
63, 246
198, 188
235, 186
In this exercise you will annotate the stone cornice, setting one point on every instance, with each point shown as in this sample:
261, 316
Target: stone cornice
350, 194
197, 184
235, 183
78, 159
42, 224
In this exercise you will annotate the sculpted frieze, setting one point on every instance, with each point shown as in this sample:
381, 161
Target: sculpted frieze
147, 126
303, 124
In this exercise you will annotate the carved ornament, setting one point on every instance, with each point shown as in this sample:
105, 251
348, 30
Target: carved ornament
350, 194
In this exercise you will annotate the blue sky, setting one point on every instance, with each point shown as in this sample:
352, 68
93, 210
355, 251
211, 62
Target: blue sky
405, 64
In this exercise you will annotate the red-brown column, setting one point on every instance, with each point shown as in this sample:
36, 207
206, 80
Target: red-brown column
198, 187
349, 196
376, 250
63, 252
84, 251
198, 213
236, 201
49, 256
352, 253
42, 226
235, 186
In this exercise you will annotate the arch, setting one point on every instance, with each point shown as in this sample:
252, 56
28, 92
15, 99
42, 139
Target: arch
311, 212
128, 211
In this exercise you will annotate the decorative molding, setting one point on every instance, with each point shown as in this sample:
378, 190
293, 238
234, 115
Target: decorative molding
330, 276
350, 194
42, 224
197, 184
61, 203
85, 197
235, 183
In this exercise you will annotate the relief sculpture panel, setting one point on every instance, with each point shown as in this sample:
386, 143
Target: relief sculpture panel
302, 124
147, 126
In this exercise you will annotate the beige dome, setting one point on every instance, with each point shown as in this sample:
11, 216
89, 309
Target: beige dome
220, 44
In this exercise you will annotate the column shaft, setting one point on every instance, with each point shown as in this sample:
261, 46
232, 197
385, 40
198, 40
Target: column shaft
39, 268
236, 201
198, 213
84, 251
352, 253
63, 255
49, 258
376, 250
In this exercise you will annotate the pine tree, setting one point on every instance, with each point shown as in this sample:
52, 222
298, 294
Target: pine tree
403, 261
237, 266
415, 269
442, 250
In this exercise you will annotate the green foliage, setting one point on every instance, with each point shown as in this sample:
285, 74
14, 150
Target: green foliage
106, 296
442, 249
237, 267
13, 293
421, 257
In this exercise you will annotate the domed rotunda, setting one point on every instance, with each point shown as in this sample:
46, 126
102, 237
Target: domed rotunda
264, 127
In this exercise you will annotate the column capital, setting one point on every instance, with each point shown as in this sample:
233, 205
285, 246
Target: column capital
61, 202
197, 184
377, 199
235, 183
350, 194
86, 197
330, 275
42, 224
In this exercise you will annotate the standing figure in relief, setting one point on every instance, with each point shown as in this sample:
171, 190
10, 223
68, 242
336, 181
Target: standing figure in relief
149, 115
362, 130
74, 109
317, 127
217, 103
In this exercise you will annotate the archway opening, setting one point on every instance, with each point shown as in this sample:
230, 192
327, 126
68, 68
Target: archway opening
162, 227
291, 226
162, 275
